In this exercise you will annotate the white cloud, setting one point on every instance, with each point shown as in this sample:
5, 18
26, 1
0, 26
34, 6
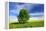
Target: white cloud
37, 18
13, 19
40, 13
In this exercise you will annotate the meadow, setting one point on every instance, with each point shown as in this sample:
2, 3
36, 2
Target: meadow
30, 24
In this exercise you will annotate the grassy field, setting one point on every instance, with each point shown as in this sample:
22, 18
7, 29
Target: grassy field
30, 24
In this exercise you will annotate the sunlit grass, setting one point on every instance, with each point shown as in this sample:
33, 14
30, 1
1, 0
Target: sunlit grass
33, 23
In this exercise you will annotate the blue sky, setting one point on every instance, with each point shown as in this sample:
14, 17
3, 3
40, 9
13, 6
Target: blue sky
14, 8
36, 11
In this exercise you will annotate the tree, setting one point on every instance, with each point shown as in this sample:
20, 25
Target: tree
23, 16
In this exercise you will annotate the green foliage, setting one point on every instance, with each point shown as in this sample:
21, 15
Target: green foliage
23, 16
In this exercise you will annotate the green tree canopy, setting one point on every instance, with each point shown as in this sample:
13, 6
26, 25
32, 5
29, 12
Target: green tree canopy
23, 16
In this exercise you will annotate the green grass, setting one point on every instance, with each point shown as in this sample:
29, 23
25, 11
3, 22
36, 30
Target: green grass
30, 24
